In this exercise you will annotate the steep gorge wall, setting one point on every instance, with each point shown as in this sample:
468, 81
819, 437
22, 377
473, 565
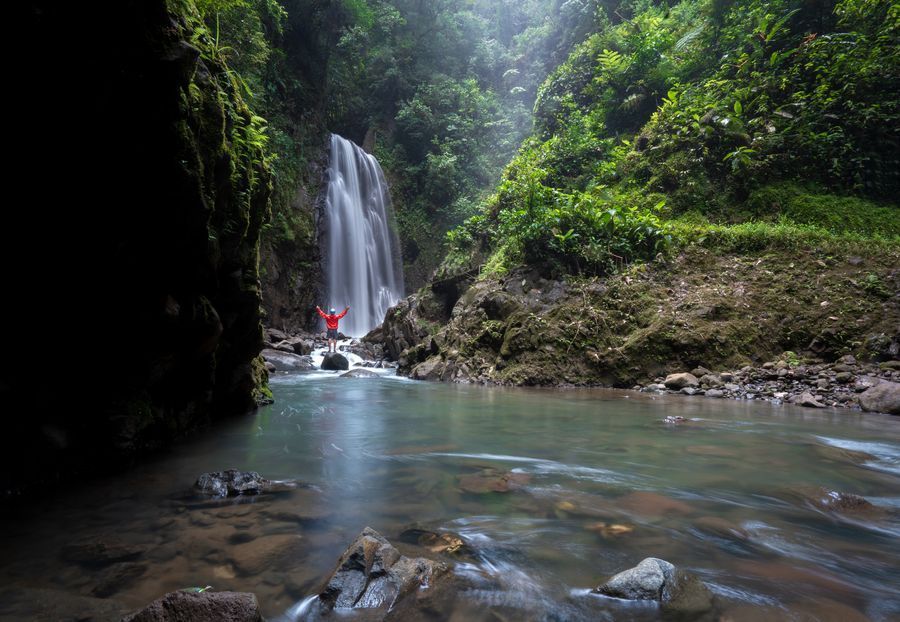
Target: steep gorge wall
149, 186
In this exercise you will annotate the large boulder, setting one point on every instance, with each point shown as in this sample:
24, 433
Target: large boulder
401, 328
676, 382
335, 361
884, 397
231, 483
372, 574
658, 580
200, 607
287, 361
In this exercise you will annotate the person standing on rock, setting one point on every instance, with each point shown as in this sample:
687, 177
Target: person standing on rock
331, 323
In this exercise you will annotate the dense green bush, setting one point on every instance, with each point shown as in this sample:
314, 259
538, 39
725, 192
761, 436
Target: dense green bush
782, 112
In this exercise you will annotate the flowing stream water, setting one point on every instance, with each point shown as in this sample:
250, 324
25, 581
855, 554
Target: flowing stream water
363, 262
725, 495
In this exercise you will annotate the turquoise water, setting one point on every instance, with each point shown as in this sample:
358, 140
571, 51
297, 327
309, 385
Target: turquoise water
600, 482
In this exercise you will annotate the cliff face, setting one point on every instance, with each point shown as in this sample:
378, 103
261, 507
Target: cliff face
149, 186
697, 308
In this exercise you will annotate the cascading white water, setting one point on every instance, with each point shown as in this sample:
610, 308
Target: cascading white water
363, 263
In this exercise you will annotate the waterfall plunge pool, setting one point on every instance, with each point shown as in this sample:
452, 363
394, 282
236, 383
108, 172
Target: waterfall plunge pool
723, 496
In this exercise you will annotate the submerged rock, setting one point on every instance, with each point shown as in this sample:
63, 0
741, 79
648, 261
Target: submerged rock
99, 552
435, 541
335, 361
360, 373
231, 483
836, 501
372, 574
883, 397
48, 605
259, 555
658, 580
200, 607
492, 480
116, 578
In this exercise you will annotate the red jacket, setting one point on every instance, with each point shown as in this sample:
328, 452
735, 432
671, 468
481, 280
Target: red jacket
331, 321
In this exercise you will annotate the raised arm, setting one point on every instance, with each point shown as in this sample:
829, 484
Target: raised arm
322, 313
344, 312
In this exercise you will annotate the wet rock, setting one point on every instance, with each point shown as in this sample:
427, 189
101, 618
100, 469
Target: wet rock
700, 371
435, 541
274, 335
335, 361
492, 480
715, 393
430, 369
675, 420
836, 501
99, 552
372, 574
609, 530
265, 553
658, 580
691, 391
807, 399
203, 607
287, 361
844, 377
231, 483
883, 397
360, 373
677, 382
116, 578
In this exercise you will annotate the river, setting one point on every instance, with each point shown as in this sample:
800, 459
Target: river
602, 482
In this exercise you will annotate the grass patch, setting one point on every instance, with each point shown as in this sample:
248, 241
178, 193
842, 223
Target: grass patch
784, 234
835, 213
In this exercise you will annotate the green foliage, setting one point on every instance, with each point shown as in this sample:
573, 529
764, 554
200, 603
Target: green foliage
811, 206
582, 232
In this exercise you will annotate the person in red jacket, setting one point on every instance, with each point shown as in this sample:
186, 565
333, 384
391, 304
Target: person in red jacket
331, 322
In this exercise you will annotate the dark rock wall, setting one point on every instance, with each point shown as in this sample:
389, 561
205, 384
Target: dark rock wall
135, 304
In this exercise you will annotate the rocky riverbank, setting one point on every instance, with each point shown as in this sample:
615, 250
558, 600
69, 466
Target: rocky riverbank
805, 327
844, 384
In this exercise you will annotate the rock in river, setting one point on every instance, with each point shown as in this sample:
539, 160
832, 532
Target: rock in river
359, 373
372, 574
231, 482
286, 361
658, 580
883, 398
335, 362
202, 607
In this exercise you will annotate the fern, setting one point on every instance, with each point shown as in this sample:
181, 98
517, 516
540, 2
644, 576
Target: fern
611, 61
633, 101
690, 36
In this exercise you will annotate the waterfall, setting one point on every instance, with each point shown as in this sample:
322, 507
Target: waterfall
363, 262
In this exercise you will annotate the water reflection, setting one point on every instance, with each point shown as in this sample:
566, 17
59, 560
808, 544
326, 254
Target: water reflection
594, 482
